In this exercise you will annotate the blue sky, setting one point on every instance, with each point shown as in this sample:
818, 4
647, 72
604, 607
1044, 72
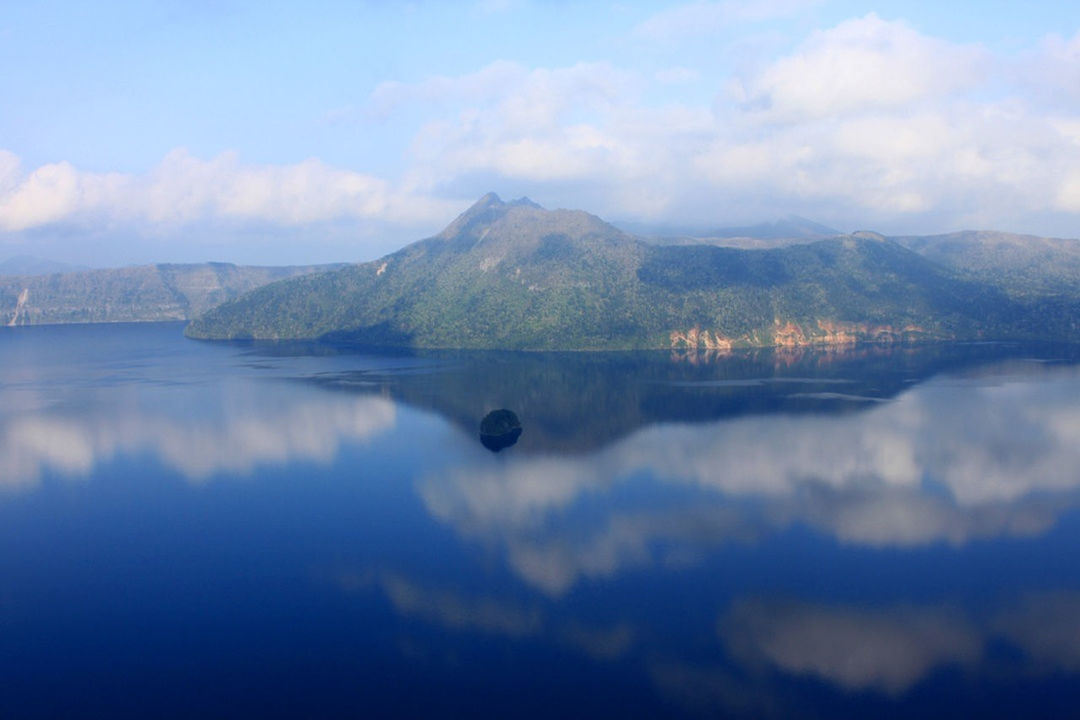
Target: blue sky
287, 132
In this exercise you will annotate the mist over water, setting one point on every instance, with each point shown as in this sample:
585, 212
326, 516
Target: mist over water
225, 529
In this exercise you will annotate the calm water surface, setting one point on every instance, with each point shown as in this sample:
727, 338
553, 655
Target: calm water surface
213, 530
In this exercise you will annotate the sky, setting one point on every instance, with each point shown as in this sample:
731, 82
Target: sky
274, 133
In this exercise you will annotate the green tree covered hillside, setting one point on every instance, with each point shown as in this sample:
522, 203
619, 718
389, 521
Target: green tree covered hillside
516, 276
143, 293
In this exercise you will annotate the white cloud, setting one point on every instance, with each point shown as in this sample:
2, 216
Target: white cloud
185, 189
962, 158
1053, 69
1068, 197
540, 124
870, 122
54, 193
861, 64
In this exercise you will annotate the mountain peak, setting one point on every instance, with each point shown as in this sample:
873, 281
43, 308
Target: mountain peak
492, 200
485, 211
487, 200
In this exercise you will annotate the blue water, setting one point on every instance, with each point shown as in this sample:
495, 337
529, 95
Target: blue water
218, 530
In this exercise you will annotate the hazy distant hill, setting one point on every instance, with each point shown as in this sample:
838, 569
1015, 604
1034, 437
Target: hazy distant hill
790, 230
133, 294
1023, 264
514, 275
30, 265
789, 227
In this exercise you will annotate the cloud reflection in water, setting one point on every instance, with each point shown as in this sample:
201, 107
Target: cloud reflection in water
948, 461
871, 651
245, 426
853, 648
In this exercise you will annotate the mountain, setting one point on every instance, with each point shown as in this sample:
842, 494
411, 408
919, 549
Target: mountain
1022, 264
30, 265
133, 294
516, 276
790, 227
790, 230
500, 275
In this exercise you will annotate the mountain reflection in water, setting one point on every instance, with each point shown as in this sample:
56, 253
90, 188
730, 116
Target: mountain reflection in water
883, 531
579, 402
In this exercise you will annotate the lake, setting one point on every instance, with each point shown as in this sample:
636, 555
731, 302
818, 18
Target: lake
298, 530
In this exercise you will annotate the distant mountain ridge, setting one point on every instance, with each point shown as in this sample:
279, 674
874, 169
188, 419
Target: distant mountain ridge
513, 275
134, 294
30, 265
1022, 264
788, 230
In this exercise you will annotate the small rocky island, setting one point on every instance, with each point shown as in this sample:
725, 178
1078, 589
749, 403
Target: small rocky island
499, 429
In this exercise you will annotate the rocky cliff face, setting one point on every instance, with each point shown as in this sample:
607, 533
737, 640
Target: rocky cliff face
786, 333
